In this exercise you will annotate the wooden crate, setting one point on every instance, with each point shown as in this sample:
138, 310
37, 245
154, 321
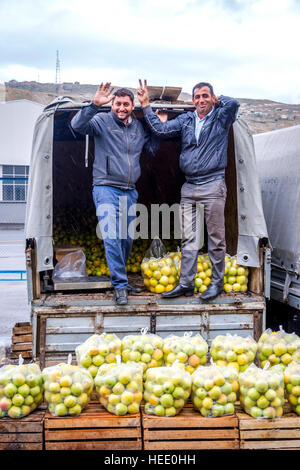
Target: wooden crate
277, 434
21, 341
62, 250
24, 433
189, 430
94, 429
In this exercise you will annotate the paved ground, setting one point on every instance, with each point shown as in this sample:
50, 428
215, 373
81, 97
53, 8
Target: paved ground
13, 294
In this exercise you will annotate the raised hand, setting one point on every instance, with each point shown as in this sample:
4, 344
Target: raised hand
162, 114
102, 94
142, 94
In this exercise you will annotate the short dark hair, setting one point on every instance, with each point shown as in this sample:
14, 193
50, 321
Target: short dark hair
202, 84
124, 92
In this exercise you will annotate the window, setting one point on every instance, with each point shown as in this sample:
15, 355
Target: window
14, 182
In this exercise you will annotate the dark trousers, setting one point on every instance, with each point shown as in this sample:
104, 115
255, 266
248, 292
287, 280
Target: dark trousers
212, 196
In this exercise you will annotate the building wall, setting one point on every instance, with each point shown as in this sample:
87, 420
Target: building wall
17, 121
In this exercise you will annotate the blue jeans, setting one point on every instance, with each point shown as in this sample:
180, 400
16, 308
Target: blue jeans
117, 228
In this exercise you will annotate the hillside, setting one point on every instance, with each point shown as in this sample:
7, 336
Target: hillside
260, 115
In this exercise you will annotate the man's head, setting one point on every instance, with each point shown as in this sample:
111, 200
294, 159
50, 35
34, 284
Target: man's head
203, 98
123, 103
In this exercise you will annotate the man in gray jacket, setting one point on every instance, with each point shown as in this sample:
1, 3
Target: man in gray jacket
203, 159
119, 141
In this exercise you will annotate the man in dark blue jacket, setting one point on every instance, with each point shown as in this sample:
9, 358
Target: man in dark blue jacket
203, 159
119, 141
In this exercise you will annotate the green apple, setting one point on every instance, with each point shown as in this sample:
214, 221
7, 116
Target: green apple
179, 392
253, 394
118, 389
201, 393
262, 402
179, 403
86, 361
256, 412
18, 379
75, 410
167, 400
25, 410
126, 398
121, 409
217, 410
229, 409
77, 389
83, 399
10, 390
269, 412
14, 412
226, 388
261, 386
35, 390
18, 400
29, 400
60, 410
214, 393
168, 387
70, 401
54, 387
171, 411
159, 410
270, 394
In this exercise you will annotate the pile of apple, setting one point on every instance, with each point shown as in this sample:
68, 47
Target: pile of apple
145, 349
21, 390
98, 350
262, 391
204, 272
166, 390
292, 385
233, 350
214, 390
235, 276
278, 347
189, 351
67, 389
160, 274
120, 388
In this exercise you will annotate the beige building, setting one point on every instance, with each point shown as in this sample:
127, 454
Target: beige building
17, 121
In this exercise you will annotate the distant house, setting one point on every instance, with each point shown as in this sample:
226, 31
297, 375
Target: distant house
17, 121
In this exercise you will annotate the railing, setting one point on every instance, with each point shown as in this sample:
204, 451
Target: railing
15, 272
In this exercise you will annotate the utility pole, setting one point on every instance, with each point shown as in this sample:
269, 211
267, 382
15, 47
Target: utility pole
57, 77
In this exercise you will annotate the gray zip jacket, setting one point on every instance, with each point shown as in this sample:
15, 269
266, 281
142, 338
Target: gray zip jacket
206, 158
117, 147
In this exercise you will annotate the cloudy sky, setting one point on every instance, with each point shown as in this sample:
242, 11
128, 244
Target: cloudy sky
245, 48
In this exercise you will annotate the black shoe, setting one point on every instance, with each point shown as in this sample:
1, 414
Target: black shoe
134, 289
212, 292
179, 290
121, 296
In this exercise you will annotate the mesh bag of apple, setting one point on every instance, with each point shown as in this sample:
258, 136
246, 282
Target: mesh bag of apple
98, 350
158, 269
278, 347
21, 389
166, 390
262, 391
214, 390
120, 387
204, 272
190, 351
67, 388
292, 385
233, 350
145, 348
235, 275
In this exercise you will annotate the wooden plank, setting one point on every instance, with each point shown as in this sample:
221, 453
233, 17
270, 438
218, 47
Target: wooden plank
90, 422
22, 437
96, 445
22, 330
189, 420
21, 347
19, 427
92, 434
271, 434
24, 338
21, 446
286, 421
186, 434
190, 445
273, 444
25, 355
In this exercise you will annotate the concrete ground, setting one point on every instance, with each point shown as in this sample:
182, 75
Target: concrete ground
14, 305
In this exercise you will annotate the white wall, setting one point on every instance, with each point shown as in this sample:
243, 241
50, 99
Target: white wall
17, 121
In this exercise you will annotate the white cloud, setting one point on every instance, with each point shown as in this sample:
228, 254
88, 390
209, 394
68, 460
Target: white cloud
247, 47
